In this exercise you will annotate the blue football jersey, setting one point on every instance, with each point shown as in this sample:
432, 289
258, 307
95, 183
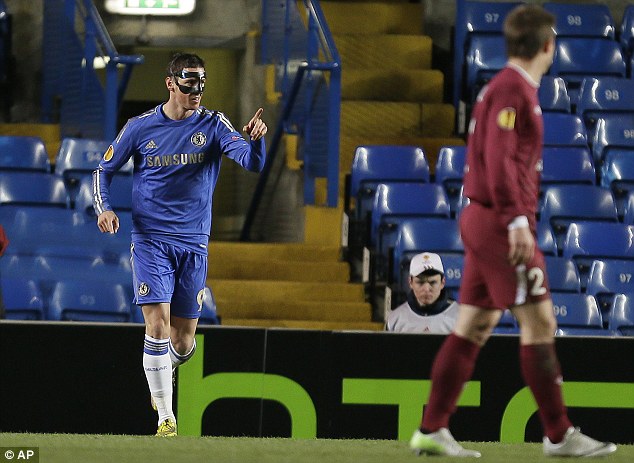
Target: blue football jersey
176, 166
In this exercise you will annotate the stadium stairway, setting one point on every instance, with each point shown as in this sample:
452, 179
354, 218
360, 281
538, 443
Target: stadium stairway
390, 93
290, 285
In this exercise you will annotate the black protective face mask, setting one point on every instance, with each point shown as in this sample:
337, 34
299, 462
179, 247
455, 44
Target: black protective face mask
196, 89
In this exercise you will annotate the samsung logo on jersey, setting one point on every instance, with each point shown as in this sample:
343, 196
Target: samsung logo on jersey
174, 159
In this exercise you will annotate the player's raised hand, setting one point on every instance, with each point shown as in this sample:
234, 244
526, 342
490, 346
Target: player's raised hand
256, 128
108, 222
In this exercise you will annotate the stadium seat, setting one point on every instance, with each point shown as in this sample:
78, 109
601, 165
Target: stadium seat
617, 175
621, 318
395, 202
567, 164
604, 96
23, 153
423, 234
22, 299
507, 324
384, 163
564, 130
626, 36
477, 19
78, 157
609, 277
582, 20
612, 132
577, 58
89, 301
628, 209
208, 315
120, 195
486, 55
563, 275
564, 204
450, 171
553, 95
546, 239
586, 242
32, 188
577, 314
462, 202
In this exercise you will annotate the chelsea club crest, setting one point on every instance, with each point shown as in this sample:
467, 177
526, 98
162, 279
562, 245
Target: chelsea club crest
199, 139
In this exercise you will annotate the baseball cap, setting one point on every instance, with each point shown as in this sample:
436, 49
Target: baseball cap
425, 261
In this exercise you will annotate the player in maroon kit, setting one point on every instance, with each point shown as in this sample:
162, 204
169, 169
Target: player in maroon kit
503, 268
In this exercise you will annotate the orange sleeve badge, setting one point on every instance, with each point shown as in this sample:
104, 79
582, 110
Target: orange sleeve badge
506, 118
109, 153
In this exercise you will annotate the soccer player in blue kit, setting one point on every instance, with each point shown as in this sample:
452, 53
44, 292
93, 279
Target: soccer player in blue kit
177, 149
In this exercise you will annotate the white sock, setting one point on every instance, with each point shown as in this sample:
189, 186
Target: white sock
158, 371
178, 359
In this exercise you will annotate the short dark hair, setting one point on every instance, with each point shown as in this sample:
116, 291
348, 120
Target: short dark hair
181, 61
527, 28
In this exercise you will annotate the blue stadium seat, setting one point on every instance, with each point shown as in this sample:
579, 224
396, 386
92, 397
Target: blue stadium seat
546, 239
567, 164
578, 58
32, 188
23, 153
564, 130
78, 157
563, 275
89, 301
462, 202
22, 299
586, 242
486, 55
577, 314
617, 175
453, 265
423, 234
384, 163
208, 315
621, 317
120, 195
449, 172
609, 277
553, 95
395, 202
564, 204
628, 209
507, 324
604, 96
474, 20
626, 36
582, 20
612, 132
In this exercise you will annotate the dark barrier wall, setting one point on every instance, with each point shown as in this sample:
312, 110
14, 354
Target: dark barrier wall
79, 378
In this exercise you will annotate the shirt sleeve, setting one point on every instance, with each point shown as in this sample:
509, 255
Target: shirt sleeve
117, 154
250, 155
505, 168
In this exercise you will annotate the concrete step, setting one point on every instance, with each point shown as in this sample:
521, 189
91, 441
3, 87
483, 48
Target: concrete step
282, 291
295, 310
384, 51
304, 324
226, 251
396, 119
272, 269
350, 17
413, 85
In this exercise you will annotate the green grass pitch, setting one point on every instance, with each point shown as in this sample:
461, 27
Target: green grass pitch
64, 448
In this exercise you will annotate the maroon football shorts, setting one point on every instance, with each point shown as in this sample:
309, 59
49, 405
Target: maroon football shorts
488, 279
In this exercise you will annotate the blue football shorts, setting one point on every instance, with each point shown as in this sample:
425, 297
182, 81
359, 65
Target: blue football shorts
164, 272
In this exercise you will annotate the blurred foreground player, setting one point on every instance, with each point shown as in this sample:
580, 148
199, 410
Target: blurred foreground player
177, 149
502, 267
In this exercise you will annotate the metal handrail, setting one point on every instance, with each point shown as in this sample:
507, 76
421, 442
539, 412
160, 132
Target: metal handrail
318, 25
